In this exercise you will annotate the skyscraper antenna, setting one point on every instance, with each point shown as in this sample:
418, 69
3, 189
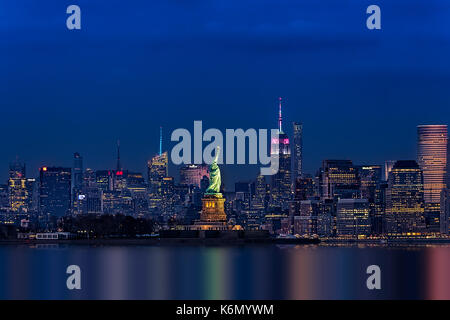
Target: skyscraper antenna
160, 140
279, 116
119, 166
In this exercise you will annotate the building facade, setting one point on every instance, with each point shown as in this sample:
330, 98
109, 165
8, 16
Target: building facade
432, 143
339, 180
17, 188
353, 218
297, 151
192, 174
55, 190
405, 199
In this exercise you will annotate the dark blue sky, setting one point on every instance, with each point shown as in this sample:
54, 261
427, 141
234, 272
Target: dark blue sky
136, 65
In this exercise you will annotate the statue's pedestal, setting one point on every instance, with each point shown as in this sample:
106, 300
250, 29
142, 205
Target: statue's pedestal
213, 209
213, 215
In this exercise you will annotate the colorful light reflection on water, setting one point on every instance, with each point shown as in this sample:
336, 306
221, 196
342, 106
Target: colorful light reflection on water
247, 272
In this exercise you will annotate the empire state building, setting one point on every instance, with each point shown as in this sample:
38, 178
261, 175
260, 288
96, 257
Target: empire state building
281, 180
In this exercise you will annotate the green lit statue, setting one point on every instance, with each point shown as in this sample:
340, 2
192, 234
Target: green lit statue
214, 176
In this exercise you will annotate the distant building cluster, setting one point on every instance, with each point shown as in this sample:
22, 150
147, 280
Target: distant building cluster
343, 199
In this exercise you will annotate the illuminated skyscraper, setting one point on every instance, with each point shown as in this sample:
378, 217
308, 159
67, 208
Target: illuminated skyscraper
432, 143
168, 199
432, 157
157, 171
339, 180
404, 198
370, 177
259, 198
17, 187
297, 154
281, 181
158, 166
303, 190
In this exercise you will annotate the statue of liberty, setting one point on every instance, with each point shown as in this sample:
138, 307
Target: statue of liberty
214, 176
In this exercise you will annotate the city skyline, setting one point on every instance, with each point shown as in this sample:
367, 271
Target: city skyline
343, 199
116, 160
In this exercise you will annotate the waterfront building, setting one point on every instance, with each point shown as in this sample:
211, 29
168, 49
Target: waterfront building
378, 220
352, 218
303, 190
432, 143
306, 222
371, 178
405, 199
276, 224
326, 218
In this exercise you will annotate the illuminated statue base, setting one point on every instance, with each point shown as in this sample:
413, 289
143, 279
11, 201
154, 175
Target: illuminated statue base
213, 215
213, 209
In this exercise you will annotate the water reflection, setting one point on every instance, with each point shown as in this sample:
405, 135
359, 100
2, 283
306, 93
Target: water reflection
247, 272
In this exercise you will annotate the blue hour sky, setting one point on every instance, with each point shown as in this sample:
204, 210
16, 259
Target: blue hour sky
138, 65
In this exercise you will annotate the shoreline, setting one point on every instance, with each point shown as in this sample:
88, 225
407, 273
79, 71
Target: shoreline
159, 241
220, 242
